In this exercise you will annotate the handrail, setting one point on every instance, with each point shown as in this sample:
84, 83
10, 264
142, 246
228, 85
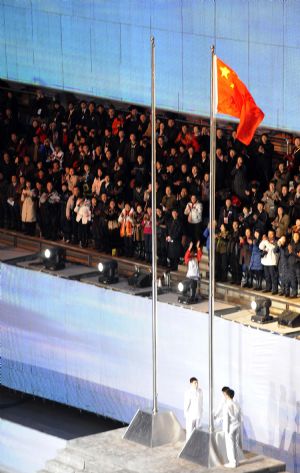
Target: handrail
91, 257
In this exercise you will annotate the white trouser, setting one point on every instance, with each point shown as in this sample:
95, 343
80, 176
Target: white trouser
231, 442
191, 424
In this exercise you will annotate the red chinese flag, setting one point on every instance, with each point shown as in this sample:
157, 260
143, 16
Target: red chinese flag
235, 99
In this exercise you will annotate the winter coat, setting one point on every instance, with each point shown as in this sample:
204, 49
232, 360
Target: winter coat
283, 259
270, 257
28, 207
222, 243
255, 261
239, 184
83, 213
245, 253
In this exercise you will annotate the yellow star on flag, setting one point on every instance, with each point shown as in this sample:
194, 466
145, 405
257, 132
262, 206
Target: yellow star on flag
232, 85
225, 72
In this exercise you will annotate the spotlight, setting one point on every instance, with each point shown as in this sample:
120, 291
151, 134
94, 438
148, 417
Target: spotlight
54, 258
180, 287
140, 278
289, 318
47, 253
187, 289
108, 272
261, 306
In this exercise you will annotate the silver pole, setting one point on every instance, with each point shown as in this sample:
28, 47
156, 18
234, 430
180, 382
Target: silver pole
154, 241
212, 193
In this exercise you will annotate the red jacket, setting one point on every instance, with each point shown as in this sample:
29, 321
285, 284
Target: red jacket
188, 255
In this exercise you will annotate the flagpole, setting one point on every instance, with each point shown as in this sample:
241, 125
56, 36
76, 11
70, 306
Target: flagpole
201, 447
212, 218
154, 241
155, 427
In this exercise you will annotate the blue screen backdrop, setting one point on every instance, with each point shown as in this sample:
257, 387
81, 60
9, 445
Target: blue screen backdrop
102, 47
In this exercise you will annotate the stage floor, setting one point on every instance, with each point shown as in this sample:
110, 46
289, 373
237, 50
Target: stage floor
110, 453
244, 317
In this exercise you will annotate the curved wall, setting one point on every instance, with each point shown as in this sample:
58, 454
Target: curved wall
102, 47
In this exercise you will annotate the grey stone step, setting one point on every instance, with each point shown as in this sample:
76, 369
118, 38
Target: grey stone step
54, 466
71, 458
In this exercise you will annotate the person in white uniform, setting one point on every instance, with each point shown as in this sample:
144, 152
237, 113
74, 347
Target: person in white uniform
231, 419
193, 407
218, 412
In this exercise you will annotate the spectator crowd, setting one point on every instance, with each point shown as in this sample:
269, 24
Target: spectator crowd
81, 173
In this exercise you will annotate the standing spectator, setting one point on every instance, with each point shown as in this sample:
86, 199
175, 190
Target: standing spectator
269, 261
147, 227
13, 200
28, 209
283, 266
64, 225
227, 214
113, 239
72, 227
255, 265
222, 254
83, 218
245, 257
174, 234
193, 211
293, 266
233, 250
270, 199
126, 228
139, 241
281, 223
239, 184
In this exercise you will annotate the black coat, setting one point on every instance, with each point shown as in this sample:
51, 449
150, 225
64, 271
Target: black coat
174, 231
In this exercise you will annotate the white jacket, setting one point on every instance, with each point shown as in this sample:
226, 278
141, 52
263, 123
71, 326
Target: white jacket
271, 256
193, 404
83, 213
193, 269
194, 212
231, 416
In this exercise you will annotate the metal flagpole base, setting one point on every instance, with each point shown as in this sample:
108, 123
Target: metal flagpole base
154, 430
201, 448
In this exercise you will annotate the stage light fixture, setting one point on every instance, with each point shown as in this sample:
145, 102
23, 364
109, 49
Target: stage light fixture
108, 272
187, 289
261, 307
140, 279
54, 258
